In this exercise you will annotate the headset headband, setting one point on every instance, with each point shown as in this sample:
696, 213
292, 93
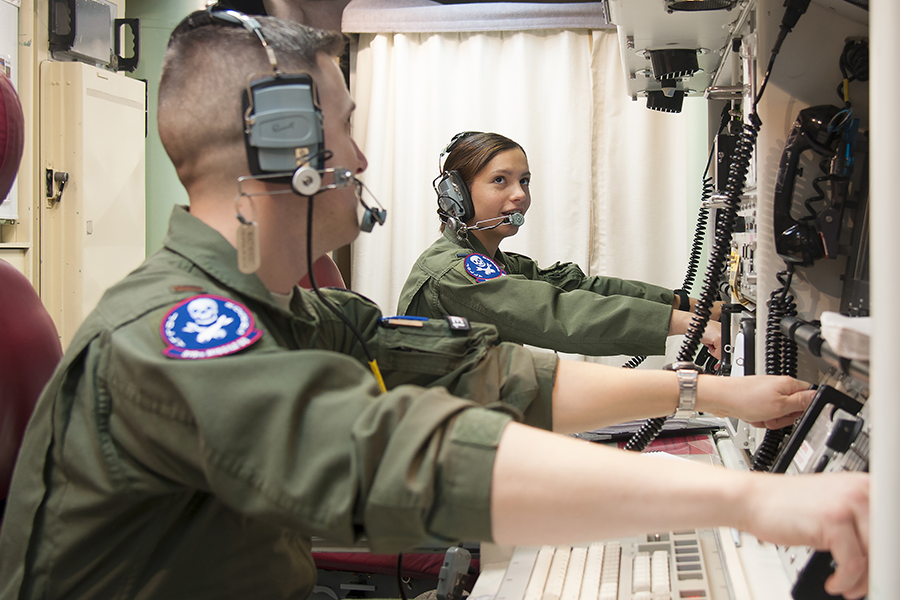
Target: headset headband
453, 142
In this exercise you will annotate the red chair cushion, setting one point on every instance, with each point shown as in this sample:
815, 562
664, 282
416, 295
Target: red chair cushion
417, 566
12, 141
326, 273
30, 351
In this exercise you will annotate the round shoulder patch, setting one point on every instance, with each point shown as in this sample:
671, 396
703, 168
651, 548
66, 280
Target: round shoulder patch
482, 267
207, 326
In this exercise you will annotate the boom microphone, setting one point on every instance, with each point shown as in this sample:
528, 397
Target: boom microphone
514, 219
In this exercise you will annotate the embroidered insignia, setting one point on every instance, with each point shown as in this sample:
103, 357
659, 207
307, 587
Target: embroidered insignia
207, 326
458, 323
482, 268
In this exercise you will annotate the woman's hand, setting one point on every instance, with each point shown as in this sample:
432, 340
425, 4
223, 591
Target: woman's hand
680, 322
712, 338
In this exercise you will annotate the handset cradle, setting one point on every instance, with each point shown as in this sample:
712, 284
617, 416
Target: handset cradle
822, 130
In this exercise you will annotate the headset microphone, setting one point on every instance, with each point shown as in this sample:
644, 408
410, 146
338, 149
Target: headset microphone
370, 217
516, 219
372, 214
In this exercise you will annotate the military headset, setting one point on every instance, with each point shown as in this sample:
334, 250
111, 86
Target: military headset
283, 123
283, 132
455, 206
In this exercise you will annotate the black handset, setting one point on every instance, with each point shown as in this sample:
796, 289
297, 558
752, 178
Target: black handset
820, 129
810, 584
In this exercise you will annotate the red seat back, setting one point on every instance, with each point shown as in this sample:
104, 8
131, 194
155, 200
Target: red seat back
28, 354
326, 273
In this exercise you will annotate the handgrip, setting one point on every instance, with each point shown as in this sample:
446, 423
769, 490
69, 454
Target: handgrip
128, 63
61, 24
798, 242
810, 584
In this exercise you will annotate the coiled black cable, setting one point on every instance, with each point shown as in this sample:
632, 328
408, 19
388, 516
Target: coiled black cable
699, 233
725, 219
854, 64
781, 359
820, 196
634, 362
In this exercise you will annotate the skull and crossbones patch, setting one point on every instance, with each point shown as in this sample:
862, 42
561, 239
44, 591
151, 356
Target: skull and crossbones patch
207, 326
482, 268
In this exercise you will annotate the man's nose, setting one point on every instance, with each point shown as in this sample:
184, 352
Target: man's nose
363, 163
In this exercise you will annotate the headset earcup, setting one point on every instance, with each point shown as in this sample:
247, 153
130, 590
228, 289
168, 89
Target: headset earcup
465, 199
453, 196
282, 116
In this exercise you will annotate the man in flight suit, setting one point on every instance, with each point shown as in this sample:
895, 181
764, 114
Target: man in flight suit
210, 417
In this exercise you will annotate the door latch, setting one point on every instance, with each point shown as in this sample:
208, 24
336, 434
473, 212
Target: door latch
55, 184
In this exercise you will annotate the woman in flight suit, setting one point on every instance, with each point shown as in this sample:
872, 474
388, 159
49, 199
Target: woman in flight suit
483, 195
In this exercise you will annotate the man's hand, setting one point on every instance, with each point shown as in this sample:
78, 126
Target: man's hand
611, 493
761, 400
825, 512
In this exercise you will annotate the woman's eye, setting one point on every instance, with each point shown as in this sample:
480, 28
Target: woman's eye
499, 179
525, 182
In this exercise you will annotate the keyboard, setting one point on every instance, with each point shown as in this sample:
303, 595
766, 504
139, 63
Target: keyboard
665, 566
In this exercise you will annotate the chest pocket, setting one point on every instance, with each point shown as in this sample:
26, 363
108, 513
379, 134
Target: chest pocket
414, 354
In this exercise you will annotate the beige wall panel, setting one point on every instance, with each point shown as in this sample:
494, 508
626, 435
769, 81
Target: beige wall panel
92, 127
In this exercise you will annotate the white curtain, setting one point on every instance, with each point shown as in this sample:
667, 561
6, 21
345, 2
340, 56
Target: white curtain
612, 181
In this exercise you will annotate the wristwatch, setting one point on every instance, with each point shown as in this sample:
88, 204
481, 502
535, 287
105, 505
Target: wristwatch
687, 373
684, 301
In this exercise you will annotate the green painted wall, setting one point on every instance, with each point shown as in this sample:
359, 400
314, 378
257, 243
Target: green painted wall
158, 18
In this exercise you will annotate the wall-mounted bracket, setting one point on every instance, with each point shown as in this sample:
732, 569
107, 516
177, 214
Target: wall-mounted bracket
55, 184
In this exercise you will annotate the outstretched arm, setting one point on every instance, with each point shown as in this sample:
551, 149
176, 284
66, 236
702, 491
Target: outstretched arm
588, 396
550, 489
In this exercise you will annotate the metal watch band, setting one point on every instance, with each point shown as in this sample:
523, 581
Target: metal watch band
687, 373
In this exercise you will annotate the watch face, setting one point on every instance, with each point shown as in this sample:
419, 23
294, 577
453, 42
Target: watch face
683, 365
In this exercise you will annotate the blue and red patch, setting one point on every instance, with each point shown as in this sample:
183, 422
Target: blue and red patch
207, 326
482, 268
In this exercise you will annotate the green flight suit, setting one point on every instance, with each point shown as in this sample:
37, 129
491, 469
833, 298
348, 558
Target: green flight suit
559, 308
145, 475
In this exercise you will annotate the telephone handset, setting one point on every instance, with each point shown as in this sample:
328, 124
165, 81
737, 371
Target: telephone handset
831, 133
828, 131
